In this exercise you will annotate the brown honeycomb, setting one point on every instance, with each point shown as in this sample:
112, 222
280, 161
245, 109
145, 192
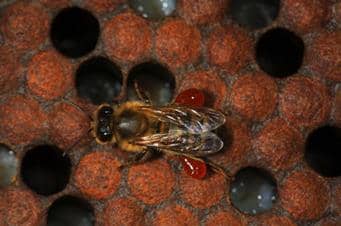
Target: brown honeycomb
270, 117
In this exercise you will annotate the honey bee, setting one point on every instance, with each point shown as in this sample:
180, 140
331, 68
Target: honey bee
136, 126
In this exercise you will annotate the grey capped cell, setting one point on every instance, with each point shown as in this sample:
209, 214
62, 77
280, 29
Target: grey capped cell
8, 166
153, 9
253, 191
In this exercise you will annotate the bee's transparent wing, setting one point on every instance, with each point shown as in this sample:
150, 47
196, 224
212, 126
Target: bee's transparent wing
196, 121
182, 142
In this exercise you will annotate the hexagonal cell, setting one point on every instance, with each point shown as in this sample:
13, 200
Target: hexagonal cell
46, 169
206, 47
253, 191
153, 9
74, 32
323, 150
279, 52
70, 211
254, 14
153, 80
8, 166
98, 80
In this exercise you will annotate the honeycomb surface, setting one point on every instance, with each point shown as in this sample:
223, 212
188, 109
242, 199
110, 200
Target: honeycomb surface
272, 105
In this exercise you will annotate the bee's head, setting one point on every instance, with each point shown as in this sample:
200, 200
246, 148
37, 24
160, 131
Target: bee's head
104, 128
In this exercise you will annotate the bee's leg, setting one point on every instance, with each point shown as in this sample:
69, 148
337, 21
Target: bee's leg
137, 158
215, 167
144, 156
142, 95
92, 129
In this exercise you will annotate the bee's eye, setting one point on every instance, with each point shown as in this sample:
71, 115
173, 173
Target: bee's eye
130, 124
105, 112
104, 133
104, 128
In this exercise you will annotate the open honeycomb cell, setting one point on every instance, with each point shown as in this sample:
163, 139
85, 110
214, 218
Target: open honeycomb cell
273, 67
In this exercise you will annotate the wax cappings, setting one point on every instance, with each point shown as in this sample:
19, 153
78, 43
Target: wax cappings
153, 9
8, 166
253, 191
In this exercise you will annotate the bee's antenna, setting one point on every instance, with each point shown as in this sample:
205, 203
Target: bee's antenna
78, 107
74, 144
90, 129
142, 95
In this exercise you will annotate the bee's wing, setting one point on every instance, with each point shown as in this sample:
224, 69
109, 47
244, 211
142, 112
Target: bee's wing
199, 120
182, 142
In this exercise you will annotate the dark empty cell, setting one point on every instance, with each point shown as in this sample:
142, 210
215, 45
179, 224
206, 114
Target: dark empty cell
1, 39
46, 169
253, 191
279, 52
323, 151
154, 81
254, 14
8, 166
74, 32
70, 211
98, 80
